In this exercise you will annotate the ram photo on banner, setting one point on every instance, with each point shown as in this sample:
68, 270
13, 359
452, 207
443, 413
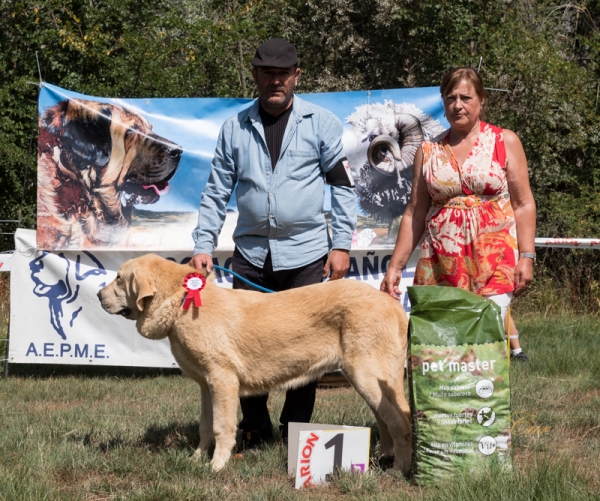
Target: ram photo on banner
127, 174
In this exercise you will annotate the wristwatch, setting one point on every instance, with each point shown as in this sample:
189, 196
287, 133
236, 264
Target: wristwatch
530, 255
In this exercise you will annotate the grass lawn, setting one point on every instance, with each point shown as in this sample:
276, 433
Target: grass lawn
100, 437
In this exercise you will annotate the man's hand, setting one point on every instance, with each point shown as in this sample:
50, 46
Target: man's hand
201, 261
337, 264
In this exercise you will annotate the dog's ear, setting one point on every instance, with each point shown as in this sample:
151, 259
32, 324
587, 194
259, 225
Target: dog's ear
53, 118
86, 138
51, 127
143, 287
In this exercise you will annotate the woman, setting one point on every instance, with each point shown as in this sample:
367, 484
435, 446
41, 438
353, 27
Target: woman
471, 202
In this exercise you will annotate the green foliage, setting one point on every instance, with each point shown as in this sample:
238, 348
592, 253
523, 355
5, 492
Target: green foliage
544, 54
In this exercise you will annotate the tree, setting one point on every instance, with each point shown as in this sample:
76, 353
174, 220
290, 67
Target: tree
545, 55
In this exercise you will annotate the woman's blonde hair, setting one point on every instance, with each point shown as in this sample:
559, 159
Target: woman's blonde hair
457, 75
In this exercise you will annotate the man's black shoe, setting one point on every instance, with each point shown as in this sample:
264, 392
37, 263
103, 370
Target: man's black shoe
252, 442
283, 433
385, 462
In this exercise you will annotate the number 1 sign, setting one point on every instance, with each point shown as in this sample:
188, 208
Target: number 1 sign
320, 451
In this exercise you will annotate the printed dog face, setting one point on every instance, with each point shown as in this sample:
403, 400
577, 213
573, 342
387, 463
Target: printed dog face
95, 162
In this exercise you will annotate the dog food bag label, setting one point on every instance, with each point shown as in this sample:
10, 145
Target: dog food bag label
459, 383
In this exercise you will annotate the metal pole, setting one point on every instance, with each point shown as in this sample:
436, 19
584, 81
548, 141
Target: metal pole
7, 341
38, 67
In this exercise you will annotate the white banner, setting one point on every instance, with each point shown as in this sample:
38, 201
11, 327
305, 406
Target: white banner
56, 317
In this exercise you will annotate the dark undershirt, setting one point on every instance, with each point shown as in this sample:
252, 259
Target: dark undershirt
274, 130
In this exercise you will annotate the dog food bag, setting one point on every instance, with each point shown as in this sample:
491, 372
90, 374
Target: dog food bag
459, 383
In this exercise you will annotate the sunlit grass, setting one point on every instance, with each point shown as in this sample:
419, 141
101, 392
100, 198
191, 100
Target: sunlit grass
95, 437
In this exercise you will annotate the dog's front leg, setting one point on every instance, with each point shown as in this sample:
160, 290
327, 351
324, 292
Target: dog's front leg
224, 395
207, 437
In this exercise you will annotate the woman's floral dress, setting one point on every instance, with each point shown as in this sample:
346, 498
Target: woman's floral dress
470, 239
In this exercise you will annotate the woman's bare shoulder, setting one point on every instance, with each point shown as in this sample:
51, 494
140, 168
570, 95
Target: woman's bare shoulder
511, 139
438, 138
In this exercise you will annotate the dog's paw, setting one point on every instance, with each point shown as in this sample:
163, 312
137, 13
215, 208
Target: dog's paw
403, 465
220, 458
218, 465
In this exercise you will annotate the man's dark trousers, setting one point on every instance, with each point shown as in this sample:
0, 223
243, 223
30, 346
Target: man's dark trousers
299, 402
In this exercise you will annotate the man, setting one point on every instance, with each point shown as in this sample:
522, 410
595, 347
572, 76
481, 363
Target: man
279, 151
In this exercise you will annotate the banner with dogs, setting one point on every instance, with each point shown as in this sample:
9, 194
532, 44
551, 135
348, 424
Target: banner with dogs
127, 174
56, 317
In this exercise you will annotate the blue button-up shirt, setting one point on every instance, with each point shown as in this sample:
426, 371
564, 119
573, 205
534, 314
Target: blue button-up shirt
280, 210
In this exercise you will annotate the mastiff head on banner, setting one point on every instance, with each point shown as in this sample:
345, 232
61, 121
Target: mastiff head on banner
95, 162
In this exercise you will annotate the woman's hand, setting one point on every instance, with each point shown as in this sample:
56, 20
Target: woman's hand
523, 275
391, 282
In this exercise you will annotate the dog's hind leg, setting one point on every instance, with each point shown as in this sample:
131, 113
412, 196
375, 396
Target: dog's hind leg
224, 396
395, 411
207, 437
386, 443
390, 406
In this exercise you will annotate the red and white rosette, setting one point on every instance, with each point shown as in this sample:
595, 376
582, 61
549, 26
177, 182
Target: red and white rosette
193, 283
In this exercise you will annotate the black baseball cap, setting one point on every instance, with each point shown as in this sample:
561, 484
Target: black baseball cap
275, 53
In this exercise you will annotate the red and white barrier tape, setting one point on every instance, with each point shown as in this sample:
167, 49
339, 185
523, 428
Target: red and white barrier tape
568, 243
557, 243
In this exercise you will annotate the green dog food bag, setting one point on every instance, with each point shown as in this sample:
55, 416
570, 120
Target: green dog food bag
459, 383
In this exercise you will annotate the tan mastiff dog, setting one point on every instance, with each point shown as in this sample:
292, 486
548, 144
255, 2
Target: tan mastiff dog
245, 343
95, 162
